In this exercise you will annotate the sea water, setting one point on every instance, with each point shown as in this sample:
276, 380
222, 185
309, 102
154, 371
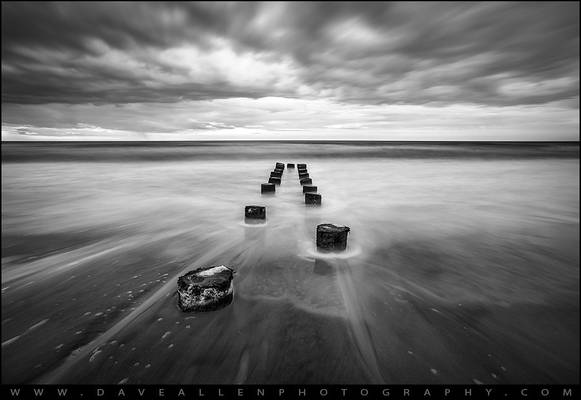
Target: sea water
462, 263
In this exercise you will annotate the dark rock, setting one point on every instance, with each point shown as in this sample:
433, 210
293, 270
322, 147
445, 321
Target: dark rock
332, 237
301, 166
267, 188
306, 181
313, 198
276, 174
279, 165
303, 175
274, 180
290, 166
255, 212
205, 289
309, 188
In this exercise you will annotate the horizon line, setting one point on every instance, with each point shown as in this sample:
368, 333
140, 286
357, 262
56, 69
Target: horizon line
289, 140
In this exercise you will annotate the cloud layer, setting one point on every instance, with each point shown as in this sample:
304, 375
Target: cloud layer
129, 60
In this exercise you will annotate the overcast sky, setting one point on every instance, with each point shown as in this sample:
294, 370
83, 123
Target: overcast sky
276, 70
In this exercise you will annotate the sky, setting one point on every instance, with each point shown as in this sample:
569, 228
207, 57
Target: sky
290, 71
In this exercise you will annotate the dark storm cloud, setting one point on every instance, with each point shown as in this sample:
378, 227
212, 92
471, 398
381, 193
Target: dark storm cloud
403, 53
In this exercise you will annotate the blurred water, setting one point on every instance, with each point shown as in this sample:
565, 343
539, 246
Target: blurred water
458, 269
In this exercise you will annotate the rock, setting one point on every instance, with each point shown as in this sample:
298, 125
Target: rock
313, 198
306, 181
255, 212
205, 289
276, 174
279, 165
267, 188
332, 237
274, 180
309, 188
290, 166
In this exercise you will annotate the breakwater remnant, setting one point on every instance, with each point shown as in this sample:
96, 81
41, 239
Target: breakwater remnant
205, 289
313, 198
303, 175
290, 165
267, 188
255, 213
274, 180
279, 165
331, 237
309, 188
306, 181
276, 174
302, 166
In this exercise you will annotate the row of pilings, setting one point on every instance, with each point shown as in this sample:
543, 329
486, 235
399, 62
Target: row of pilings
329, 237
211, 288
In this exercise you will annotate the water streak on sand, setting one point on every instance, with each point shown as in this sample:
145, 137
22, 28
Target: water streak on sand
52, 265
31, 328
356, 316
54, 376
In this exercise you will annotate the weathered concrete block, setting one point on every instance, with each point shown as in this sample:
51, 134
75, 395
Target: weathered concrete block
306, 181
313, 198
290, 165
301, 166
303, 175
205, 289
279, 165
267, 188
276, 174
332, 237
274, 180
309, 188
255, 212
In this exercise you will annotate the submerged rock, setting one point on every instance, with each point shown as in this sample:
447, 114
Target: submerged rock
332, 237
205, 289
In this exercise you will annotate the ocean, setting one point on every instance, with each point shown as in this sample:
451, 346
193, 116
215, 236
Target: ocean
462, 263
